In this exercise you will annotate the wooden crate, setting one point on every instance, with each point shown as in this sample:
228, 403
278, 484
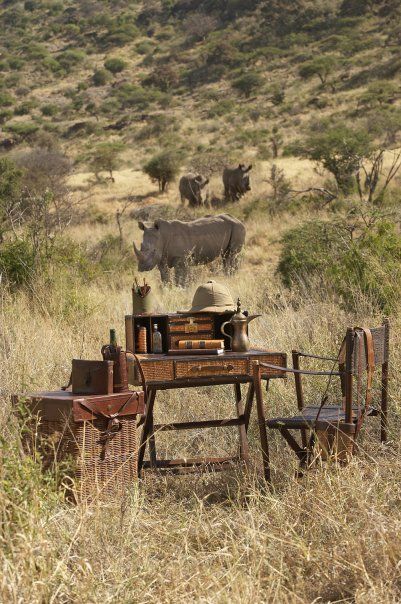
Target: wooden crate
101, 454
175, 327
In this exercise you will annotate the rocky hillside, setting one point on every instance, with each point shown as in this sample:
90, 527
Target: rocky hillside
210, 78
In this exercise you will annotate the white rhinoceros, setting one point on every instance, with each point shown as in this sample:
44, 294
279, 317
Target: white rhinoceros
176, 244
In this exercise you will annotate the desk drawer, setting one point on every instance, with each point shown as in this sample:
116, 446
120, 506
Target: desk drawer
220, 367
272, 359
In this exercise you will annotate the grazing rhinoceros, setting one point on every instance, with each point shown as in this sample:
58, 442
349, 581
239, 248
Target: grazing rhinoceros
176, 244
191, 186
236, 182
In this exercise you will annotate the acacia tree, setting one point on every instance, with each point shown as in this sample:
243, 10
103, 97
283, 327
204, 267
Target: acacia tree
248, 83
162, 168
198, 25
340, 150
105, 157
322, 67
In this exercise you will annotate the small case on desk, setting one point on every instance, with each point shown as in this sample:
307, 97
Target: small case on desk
92, 377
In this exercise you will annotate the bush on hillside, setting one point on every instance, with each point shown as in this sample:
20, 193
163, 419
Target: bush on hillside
162, 168
115, 65
101, 77
6, 100
70, 58
105, 157
322, 67
340, 150
23, 129
17, 262
248, 83
25, 108
379, 93
50, 109
369, 263
164, 77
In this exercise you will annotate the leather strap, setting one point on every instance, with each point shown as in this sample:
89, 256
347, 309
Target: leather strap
113, 425
370, 368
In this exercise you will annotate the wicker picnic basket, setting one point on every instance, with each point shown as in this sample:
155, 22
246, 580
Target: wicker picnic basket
93, 437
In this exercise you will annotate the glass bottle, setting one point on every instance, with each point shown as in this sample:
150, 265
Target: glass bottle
113, 339
157, 345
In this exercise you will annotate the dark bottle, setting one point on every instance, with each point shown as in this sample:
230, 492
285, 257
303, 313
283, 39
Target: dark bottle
113, 339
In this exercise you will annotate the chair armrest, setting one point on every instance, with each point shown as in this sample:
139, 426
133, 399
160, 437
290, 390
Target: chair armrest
314, 356
303, 371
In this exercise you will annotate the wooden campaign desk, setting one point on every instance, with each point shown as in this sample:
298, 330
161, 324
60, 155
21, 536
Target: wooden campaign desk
165, 372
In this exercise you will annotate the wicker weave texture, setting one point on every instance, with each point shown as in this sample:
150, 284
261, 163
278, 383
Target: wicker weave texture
98, 470
272, 360
221, 367
158, 370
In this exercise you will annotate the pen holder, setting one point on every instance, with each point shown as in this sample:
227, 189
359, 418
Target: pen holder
142, 304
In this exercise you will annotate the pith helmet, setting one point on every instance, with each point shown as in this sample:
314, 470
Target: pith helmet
212, 297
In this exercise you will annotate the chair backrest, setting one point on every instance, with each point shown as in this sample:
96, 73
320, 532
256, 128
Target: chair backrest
356, 363
380, 341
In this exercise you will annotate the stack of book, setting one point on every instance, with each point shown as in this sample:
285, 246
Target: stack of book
194, 347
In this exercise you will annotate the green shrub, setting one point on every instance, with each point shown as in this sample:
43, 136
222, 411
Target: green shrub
23, 128
17, 262
340, 149
6, 100
110, 106
369, 263
5, 115
248, 83
16, 63
70, 58
115, 65
51, 64
50, 109
101, 77
131, 95
321, 66
162, 168
142, 48
35, 51
105, 157
221, 108
25, 108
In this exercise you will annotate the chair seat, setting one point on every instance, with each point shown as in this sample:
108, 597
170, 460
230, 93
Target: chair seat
307, 419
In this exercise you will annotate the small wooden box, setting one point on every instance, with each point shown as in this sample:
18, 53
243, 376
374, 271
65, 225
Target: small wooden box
92, 377
71, 428
175, 327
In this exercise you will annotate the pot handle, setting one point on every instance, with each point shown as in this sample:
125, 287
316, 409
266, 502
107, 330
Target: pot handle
224, 332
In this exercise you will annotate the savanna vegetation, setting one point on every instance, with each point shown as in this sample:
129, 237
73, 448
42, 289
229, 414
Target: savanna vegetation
103, 105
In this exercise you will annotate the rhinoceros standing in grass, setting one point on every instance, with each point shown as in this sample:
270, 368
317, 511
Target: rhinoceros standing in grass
175, 244
190, 188
236, 182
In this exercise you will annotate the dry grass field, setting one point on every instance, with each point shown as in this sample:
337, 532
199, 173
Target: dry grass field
332, 536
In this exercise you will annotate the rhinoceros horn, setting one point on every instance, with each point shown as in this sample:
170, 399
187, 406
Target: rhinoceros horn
138, 253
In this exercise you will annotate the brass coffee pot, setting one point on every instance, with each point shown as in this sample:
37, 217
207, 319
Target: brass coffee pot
239, 339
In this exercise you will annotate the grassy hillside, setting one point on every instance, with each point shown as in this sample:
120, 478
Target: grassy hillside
207, 78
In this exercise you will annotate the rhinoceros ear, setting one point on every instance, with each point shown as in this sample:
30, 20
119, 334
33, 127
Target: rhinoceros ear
141, 225
249, 168
241, 166
157, 224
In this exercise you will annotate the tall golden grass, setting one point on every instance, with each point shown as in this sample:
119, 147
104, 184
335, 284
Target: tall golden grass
331, 537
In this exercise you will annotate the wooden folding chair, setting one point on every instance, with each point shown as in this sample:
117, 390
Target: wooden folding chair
333, 426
